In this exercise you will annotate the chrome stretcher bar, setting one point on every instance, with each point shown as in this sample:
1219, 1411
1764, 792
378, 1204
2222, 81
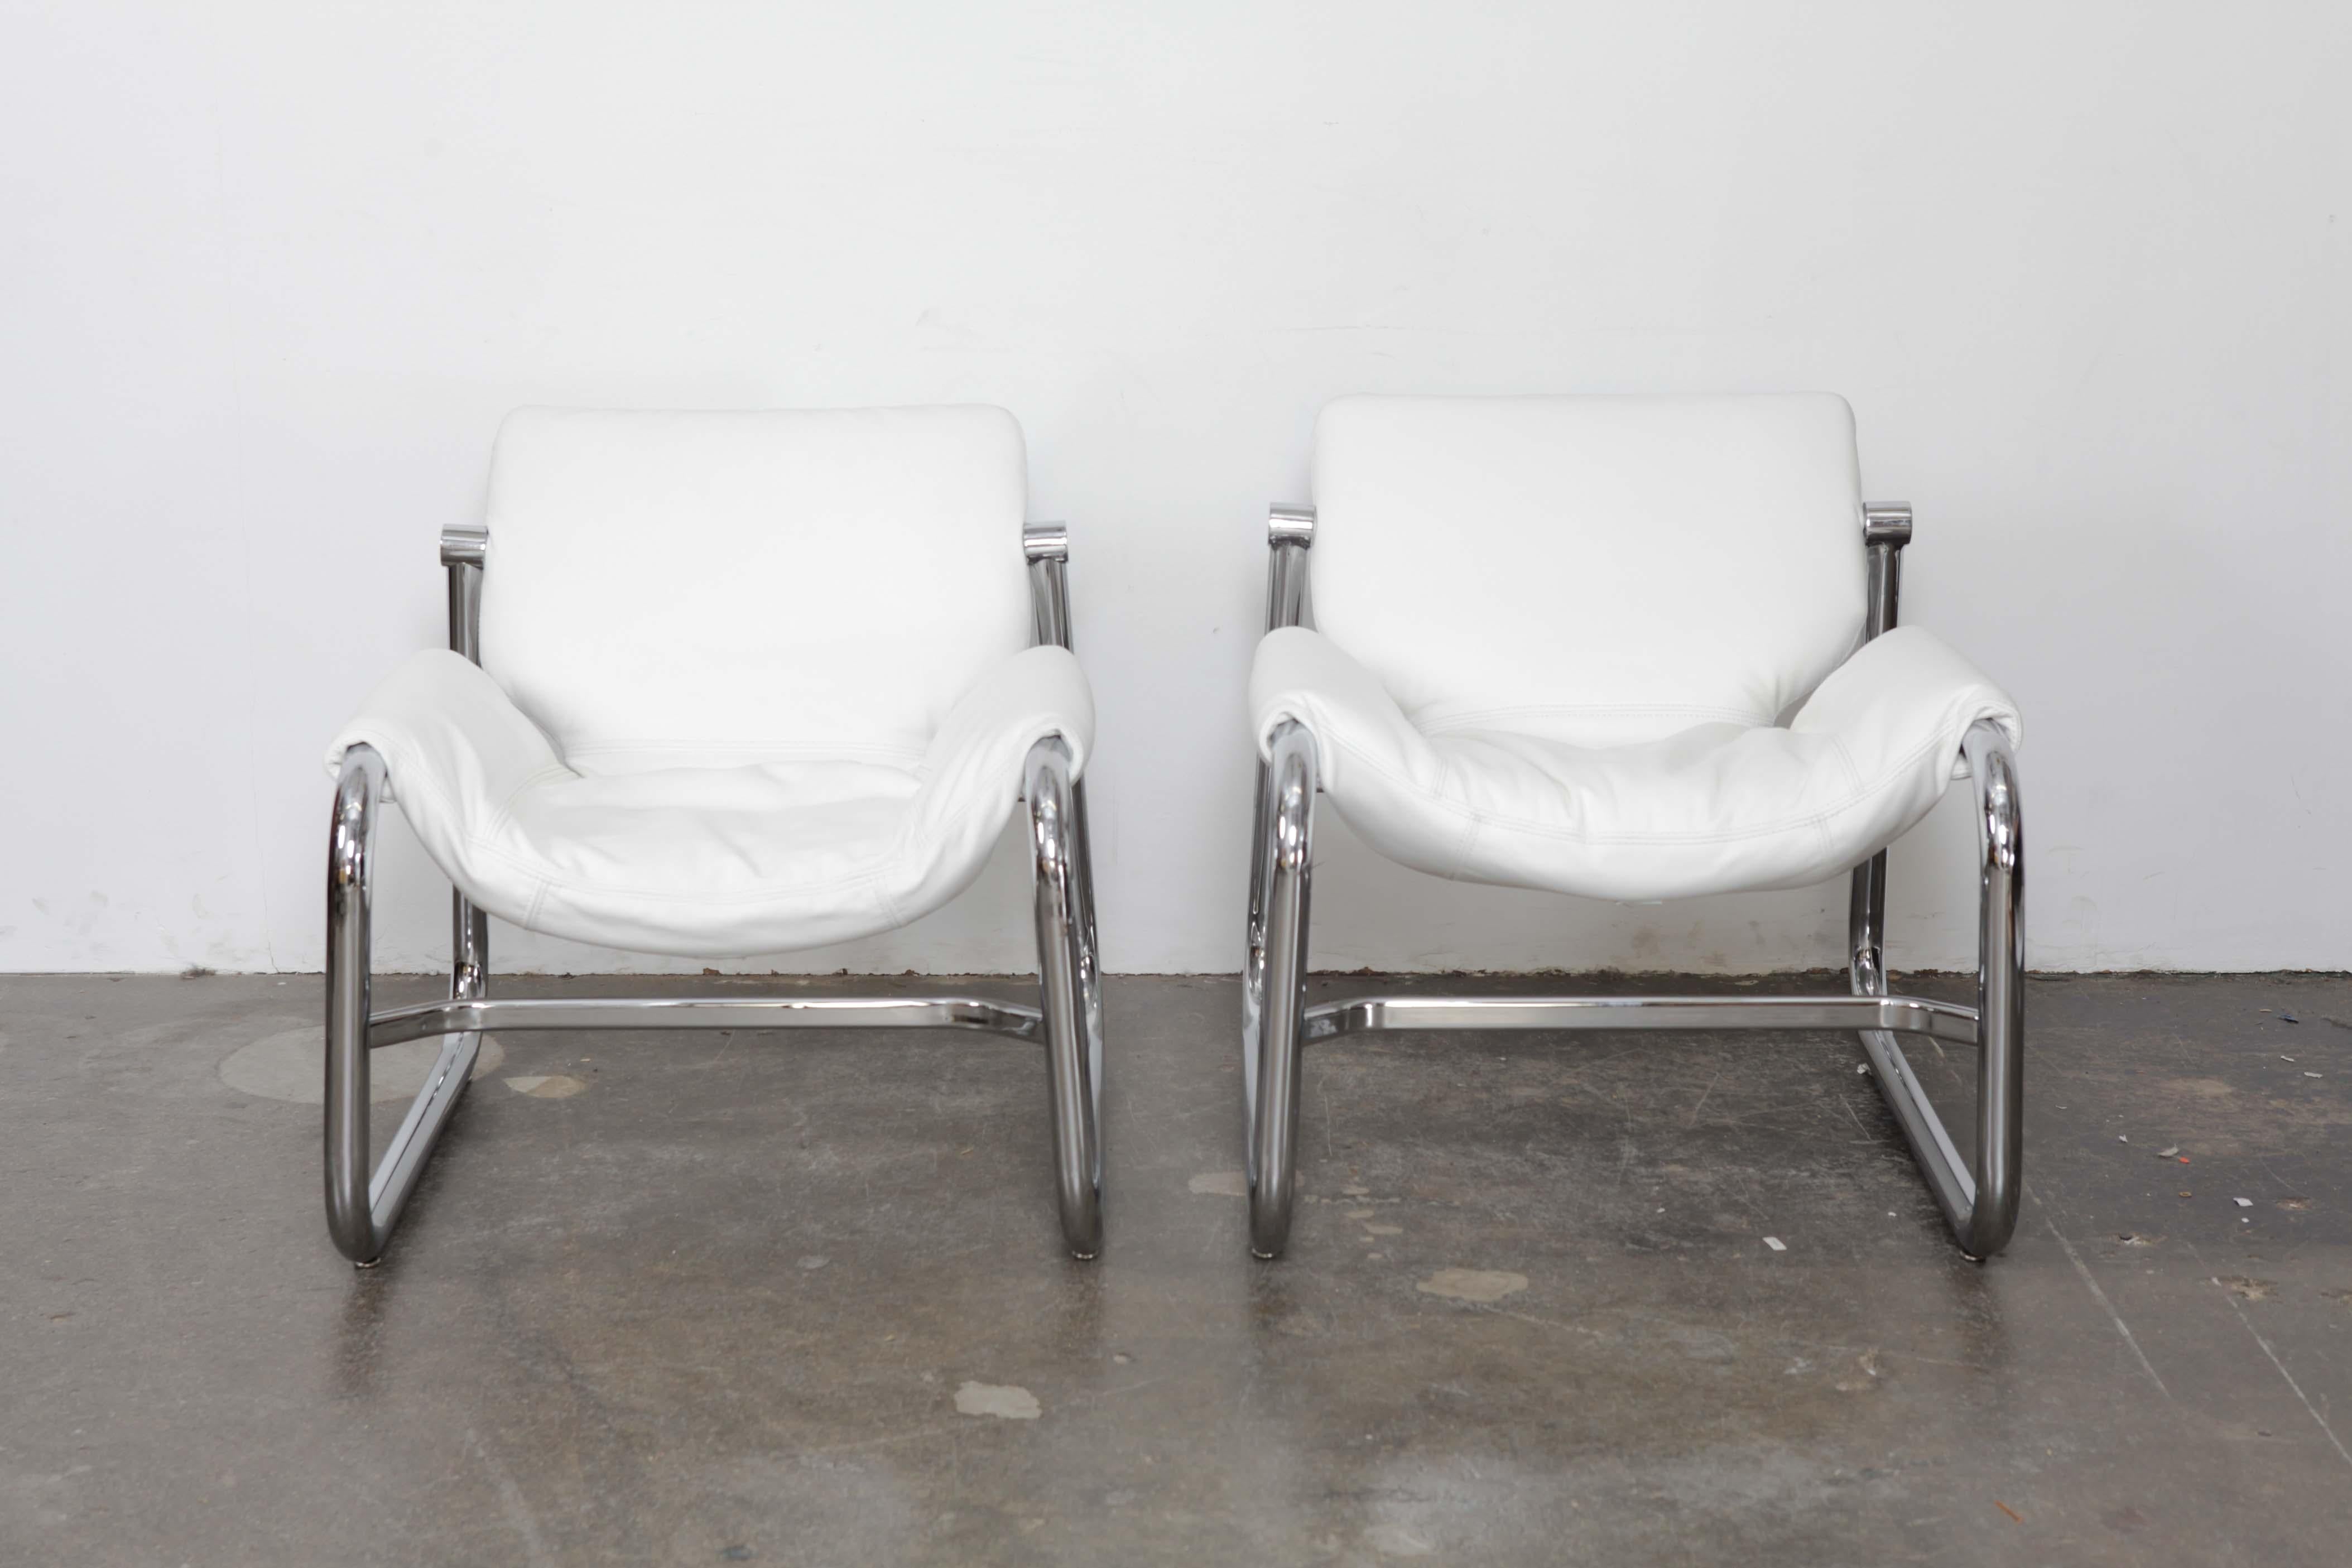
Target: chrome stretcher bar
464, 1014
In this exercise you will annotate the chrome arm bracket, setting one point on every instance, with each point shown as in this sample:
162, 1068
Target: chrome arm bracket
1045, 540
1046, 547
1289, 534
1886, 522
465, 544
1289, 524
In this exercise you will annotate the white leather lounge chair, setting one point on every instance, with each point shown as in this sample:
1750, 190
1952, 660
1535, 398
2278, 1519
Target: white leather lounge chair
719, 685
1627, 648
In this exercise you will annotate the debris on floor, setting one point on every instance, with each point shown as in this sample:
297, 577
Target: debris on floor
1776, 1244
2244, 1203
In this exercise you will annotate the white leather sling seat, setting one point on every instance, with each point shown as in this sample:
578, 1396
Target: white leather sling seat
1557, 638
750, 682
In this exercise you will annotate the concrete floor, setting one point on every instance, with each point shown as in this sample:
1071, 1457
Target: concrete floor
794, 1300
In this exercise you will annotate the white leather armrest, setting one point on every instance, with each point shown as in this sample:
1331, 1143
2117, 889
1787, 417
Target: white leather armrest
1900, 692
1304, 675
982, 743
440, 724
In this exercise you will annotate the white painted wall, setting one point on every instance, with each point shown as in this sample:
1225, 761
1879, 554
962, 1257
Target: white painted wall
270, 274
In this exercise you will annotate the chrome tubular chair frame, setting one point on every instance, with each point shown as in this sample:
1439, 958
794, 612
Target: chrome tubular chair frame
1276, 1022
362, 1208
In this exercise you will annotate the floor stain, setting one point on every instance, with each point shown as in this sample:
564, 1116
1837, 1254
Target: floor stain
291, 1065
1472, 1284
550, 1086
1007, 1402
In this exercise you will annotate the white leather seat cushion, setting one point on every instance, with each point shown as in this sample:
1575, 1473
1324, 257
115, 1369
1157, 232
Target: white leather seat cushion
701, 860
1711, 808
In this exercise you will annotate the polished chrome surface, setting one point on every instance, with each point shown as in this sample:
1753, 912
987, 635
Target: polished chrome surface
1290, 530
360, 1211
470, 948
1049, 587
1070, 986
466, 543
1886, 569
1886, 522
1274, 957
1981, 1208
2000, 988
1866, 927
1066, 934
463, 551
1903, 1014
1273, 985
1045, 540
429, 1018
1886, 528
1290, 525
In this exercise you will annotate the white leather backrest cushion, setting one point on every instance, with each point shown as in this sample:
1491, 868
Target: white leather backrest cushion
1601, 571
712, 589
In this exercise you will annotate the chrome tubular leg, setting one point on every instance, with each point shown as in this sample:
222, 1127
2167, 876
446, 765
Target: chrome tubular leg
2001, 990
1866, 927
1070, 984
362, 1210
351, 841
1253, 969
469, 948
1279, 962
1082, 887
1981, 1208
